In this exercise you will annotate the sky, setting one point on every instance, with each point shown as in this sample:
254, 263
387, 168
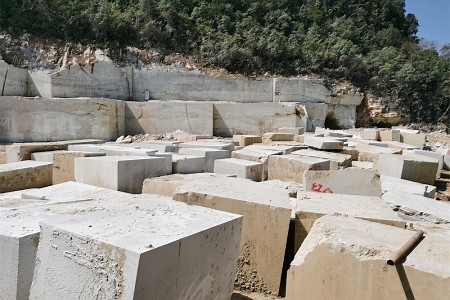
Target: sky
434, 19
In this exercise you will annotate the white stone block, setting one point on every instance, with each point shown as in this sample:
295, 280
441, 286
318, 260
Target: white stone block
242, 168
371, 134
337, 160
186, 163
213, 143
347, 181
341, 251
291, 167
121, 173
412, 167
323, 143
160, 146
210, 155
261, 255
389, 183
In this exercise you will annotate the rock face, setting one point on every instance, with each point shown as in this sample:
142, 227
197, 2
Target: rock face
345, 258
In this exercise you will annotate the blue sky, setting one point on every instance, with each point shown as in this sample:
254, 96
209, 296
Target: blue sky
434, 19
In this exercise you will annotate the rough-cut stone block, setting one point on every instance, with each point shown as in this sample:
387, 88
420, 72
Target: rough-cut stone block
399, 145
247, 140
390, 135
373, 153
311, 206
24, 175
277, 136
283, 148
261, 255
323, 143
192, 137
84, 252
240, 167
436, 155
370, 134
354, 153
293, 130
412, 167
337, 160
121, 173
389, 183
63, 163
291, 167
446, 153
418, 207
156, 117
186, 163
166, 185
342, 251
210, 155
256, 154
22, 151
160, 146
346, 181
415, 139
213, 143
113, 149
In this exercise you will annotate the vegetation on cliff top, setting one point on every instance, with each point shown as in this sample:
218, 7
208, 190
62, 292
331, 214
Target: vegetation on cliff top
372, 44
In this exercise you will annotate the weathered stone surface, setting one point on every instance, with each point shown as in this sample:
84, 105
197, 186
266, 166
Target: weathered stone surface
373, 153
240, 167
402, 146
277, 136
113, 149
160, 146
247, 140
291, 167
446, 153
415, 139
323, 143
157, 117
192, 137
337, 160
255, 118
417, 207
390, 135
316, 115
412, 167
213, 143
311, 206
63, 163
432, 154
346, 181
120, 173
389, 183
24, 175
371, 134
13, 81
342, 251
39, 120
293, 130
261, 255
365, 165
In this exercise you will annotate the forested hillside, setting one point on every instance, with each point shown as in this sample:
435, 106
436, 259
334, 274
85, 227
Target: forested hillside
371, 43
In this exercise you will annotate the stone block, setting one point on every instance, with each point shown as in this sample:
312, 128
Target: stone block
415, 139
63, 162
215, 144
277, 136
261, 255
210, 155
156, 117
347, 181
192, 137
323, 143
446, 153
418, 207
186, 163
337, 160
22, 151
120, 173
354, 153
412, 167
316, 114
373, 153
13, 80
371, 134
311, 206
390, 135
432, 154
365, 165
160, 146
113, 149
340, 251
292, 130
399, 145
24, 175
291, 167
240, 167
247, 140
281, 147
389, 183
257, 154
60, 119
255, 118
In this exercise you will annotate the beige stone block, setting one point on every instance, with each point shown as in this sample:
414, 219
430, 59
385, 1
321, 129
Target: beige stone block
192, 137
354, 153
373, 153
371, 134
2, 157
247, 140
323, 143
415, 139
264, 208
291, 167
293, 130
345, 258
337, 160
24, 175
347, 181
240, 167
390, 135
269, 137
22, 151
